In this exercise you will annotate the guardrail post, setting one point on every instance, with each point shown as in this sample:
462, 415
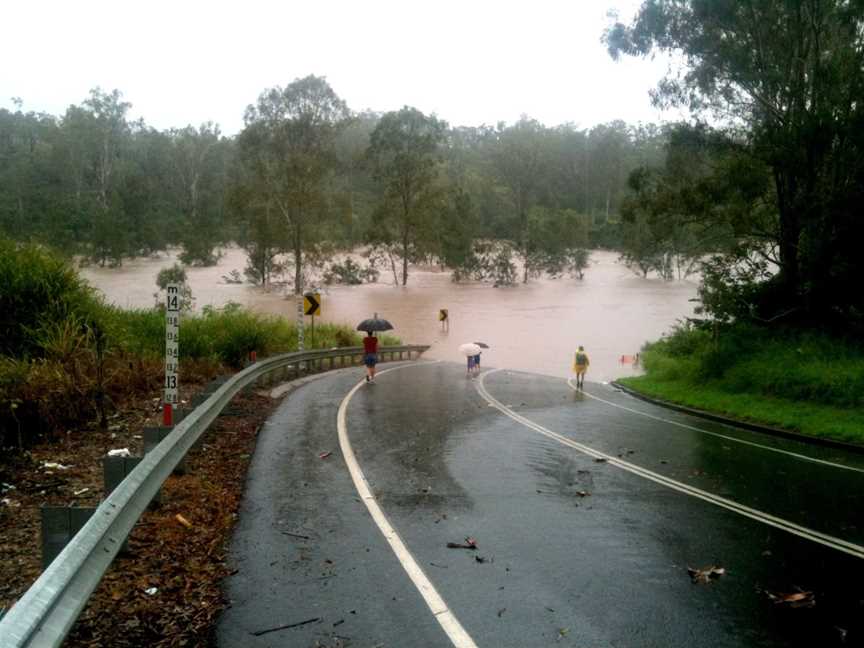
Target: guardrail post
59, 526
153, 436
114, 471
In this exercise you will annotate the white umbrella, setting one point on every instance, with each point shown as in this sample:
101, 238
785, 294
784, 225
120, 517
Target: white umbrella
469, 349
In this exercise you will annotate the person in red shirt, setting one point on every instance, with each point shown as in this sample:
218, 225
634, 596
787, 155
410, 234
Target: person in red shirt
370, 355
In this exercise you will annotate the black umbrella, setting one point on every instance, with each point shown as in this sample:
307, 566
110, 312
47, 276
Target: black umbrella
374, 324
482, 345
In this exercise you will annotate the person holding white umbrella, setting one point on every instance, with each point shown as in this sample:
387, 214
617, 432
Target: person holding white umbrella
471, 350
483, 346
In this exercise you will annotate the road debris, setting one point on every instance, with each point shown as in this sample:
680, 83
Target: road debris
706, 574
470, 543
182, 520
600, 460
799, 599
324, 455
295, 535
81, 491
150, 591
258, 633
501, 612
583, 493
120, 452
50, 465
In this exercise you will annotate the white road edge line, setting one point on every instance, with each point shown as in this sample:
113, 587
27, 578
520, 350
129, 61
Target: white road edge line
754, 514
448, 621
797, 455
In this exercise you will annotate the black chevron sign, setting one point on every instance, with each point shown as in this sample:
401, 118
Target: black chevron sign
312, 304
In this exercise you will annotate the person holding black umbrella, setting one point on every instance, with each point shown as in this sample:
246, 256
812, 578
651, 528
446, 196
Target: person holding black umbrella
370, 343
370, 355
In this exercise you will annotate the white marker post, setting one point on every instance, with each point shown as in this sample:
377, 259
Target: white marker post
172, 355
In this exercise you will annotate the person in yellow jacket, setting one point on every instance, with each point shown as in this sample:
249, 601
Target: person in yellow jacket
580, 366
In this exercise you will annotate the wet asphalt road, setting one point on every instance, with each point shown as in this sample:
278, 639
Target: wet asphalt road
575, 552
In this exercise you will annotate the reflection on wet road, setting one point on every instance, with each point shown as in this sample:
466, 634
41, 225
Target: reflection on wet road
570, 550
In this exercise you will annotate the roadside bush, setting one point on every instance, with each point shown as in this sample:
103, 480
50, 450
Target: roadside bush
66, 357
780, 363
37, 290
684, 340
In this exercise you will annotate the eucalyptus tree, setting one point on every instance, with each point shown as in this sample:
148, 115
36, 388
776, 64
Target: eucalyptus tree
520, 161
354, 188
405, 155
785, 80
287, 146
196, 162
30, 194
98, 135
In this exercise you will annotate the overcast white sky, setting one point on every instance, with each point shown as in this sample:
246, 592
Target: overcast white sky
470, 62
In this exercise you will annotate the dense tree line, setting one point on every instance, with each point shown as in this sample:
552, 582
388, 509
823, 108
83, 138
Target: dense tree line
307, 177
96, 183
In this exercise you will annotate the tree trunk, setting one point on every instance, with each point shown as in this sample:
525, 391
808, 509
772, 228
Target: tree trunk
405, 259
790, 233
523, 222
298, 259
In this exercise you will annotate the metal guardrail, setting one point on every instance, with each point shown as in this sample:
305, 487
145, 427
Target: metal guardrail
46, 612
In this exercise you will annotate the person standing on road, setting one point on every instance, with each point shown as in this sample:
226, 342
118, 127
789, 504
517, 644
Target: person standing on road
580, 366
477, 364
370, 355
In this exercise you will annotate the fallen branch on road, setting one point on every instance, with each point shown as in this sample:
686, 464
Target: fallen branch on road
286, 627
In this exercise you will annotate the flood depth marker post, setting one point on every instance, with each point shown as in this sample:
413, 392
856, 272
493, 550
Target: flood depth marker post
172, 356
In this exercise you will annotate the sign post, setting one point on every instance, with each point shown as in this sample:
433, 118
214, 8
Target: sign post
312, 307
444, 318
172, 355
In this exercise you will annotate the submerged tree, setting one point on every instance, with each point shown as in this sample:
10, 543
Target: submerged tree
197, 169
287, 148
520, 164
405, 158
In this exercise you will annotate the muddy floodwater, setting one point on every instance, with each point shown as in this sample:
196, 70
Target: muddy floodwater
534, 327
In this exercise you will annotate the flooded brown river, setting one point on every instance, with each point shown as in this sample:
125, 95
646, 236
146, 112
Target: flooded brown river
534, 327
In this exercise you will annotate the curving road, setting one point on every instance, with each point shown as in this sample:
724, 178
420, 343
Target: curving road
587, 510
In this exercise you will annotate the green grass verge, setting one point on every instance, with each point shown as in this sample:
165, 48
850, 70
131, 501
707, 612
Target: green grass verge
803, 381
802, 417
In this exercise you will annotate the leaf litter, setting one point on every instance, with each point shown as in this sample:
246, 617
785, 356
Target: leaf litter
167, 590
